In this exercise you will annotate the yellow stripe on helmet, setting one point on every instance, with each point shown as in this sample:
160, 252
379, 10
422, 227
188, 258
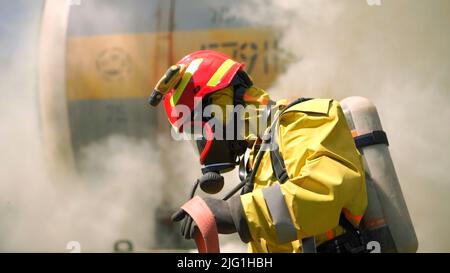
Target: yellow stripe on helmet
190, 70
218, 75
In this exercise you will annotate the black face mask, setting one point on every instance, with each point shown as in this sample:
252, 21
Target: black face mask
222, 155
217, 155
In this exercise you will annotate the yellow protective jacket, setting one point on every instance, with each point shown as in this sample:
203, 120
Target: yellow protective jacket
326, 177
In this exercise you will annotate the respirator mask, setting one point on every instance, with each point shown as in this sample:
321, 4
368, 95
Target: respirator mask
215, 130
219, 145
219, 140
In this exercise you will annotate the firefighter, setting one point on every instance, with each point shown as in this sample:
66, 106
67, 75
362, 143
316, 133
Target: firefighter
309, 186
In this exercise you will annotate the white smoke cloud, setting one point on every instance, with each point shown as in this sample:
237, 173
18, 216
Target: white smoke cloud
113, 198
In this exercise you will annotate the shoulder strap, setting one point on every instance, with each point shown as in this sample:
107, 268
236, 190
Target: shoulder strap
267, 141
373, 138
277, 161
278, 166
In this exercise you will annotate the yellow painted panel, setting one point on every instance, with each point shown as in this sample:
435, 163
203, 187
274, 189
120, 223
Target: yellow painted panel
256, 47
114, 67
128, 65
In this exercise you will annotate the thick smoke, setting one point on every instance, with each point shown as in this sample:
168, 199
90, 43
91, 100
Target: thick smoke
396, 54
125, 195
109, 200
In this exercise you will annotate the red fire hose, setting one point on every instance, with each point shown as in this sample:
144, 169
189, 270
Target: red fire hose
207, 240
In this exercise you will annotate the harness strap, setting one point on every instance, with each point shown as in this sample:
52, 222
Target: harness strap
278, 166
373, 138
309, 245
277, 161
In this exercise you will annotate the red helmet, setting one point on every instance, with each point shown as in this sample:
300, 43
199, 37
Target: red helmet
187, 84
207, 71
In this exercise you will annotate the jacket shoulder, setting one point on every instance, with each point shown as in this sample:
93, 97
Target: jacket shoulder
313, 106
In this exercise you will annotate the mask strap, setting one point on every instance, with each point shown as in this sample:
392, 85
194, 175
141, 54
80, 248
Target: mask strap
209, 138
242, 168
